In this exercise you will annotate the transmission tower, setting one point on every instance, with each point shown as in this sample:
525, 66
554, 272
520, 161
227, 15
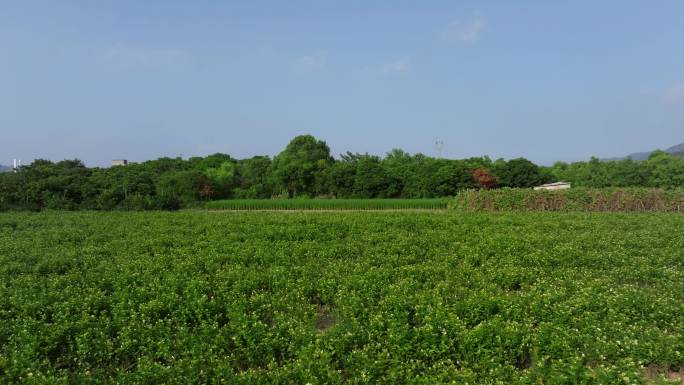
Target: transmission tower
439, 145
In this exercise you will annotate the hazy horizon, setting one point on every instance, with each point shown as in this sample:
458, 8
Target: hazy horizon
546, 81
336, 155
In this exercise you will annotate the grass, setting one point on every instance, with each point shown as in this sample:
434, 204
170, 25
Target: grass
341, 298
328, 204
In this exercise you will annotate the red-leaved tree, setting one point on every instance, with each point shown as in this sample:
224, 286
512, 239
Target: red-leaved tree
206, 191
483, 178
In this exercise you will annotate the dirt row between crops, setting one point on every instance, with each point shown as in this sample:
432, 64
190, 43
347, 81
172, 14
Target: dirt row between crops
330, 210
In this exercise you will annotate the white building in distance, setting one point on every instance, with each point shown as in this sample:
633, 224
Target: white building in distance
119, 162
554, 186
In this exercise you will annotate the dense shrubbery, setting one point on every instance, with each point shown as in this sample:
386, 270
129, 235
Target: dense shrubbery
305, 168
340, 298
576, 199
660, 170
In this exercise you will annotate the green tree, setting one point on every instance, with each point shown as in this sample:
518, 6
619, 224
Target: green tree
665, 170
625, 173
450, 178
295, 168
222, 179
339, 178
180, 188
371, 179
253, 178
518, 172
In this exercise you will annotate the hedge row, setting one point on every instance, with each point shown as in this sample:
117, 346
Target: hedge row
575, 199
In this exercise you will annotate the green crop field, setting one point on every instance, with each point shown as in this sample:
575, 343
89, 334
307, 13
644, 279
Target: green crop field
329, 204
341, 298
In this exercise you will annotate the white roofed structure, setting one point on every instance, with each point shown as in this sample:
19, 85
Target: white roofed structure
554, 186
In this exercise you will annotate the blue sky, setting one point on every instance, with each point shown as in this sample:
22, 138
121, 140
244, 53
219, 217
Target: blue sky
546, 80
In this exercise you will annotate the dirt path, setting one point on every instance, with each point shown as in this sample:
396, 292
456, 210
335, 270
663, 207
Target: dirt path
331, 210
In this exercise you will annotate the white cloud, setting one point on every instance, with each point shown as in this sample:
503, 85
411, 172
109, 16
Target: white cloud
309, 63
674, 94
131, 56
466, 32
397, 66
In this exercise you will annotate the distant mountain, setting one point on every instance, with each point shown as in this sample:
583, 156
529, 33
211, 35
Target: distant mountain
674, 150
5, 168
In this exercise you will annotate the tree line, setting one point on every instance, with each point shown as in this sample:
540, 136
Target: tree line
305, 168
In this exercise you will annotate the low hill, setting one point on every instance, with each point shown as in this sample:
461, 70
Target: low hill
674, 150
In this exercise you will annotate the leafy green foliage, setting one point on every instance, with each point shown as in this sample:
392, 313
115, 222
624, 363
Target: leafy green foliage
340, 298
305, 169
519, 172
222, 179
660, 170
296, 168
